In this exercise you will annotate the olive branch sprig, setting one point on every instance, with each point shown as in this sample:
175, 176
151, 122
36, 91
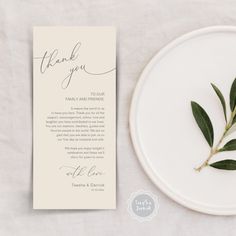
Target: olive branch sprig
205, 125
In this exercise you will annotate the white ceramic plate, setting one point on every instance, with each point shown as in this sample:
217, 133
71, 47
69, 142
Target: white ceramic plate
166, 138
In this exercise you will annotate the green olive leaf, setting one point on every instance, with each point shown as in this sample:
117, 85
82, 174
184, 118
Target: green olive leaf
232, 95
229, 146
204, 122
227, 164
221, 97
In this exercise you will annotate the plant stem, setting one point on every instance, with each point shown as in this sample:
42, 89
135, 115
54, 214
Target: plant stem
212, 152
215, 150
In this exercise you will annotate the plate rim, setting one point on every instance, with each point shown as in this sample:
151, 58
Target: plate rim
133, 131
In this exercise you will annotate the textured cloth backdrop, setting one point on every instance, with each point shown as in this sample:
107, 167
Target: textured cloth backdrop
143, 27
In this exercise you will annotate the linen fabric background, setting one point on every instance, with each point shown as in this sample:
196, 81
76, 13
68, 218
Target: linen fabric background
143, 28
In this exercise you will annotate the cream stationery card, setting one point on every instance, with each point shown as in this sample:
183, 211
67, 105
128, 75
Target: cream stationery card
74, 118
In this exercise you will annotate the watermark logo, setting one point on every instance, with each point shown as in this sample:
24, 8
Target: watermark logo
142, 205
